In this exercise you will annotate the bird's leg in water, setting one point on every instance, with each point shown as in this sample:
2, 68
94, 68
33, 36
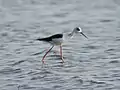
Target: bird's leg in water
61, 54
46, 54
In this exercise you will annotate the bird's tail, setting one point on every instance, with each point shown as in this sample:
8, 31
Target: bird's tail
40, 39
43, 39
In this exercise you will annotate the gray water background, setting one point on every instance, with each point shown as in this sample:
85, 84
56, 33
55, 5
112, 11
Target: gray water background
92, 64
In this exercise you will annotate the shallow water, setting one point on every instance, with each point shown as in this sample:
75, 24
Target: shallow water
92, 64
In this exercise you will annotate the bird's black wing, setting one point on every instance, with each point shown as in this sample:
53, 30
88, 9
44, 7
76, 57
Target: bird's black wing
47, 39
57, 36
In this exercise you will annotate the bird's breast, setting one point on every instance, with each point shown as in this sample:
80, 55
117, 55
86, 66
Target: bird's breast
57, 41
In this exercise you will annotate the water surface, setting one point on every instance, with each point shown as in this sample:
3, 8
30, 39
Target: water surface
92, 64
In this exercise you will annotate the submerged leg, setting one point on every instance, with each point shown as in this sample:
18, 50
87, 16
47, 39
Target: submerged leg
61, 55
46, 54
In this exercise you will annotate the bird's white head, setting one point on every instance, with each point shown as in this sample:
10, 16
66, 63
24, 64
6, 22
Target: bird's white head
79, 30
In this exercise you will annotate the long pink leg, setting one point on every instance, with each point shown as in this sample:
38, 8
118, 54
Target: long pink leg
46, 54
61, 55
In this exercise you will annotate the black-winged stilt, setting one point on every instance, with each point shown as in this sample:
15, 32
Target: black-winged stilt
58, 39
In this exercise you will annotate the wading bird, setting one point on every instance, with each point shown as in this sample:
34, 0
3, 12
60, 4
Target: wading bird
58, 39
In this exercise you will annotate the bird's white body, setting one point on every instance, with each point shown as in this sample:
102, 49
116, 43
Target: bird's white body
57, 41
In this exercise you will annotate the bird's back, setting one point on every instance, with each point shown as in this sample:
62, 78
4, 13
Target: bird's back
57, 36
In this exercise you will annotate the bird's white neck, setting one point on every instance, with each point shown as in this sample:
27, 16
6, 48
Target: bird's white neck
71, 34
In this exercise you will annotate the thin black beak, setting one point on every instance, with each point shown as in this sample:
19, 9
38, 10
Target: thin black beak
84, 35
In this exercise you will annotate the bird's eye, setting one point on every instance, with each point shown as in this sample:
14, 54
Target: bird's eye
77, 29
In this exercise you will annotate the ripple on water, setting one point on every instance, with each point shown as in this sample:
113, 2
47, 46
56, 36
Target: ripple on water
114, 61
106, 20
117, 39
26, 86
38, 77
10, 70
96, 82
77, 79
18, 62
111, 49
91, 47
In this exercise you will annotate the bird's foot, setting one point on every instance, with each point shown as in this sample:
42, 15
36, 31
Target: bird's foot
43, 61
62, 59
